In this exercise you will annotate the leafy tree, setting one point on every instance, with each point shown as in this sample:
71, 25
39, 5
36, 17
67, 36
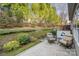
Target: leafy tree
38, 13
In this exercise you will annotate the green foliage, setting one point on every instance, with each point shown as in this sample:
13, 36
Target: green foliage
11, 45
54, 32
17, 51
40, 33
35, 8
23, 39
14, 30
45, 12
37, 13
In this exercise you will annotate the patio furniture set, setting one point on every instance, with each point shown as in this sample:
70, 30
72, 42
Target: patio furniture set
66, 41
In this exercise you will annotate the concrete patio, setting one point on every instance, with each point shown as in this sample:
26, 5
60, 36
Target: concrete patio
46, 49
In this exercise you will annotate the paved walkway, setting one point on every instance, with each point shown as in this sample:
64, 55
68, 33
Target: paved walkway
46, 49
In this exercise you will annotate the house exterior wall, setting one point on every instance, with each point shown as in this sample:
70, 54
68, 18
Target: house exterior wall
75, 36
75, 29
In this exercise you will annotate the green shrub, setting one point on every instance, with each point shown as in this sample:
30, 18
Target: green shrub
11, 45
54, 32
23, 39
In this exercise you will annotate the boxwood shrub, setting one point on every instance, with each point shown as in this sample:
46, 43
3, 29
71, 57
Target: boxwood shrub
23, 39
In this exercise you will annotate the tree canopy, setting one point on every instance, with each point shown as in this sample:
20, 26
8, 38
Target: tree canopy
19, 12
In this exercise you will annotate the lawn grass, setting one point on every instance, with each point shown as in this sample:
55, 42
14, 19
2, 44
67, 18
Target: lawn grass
19, 50
17, 30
